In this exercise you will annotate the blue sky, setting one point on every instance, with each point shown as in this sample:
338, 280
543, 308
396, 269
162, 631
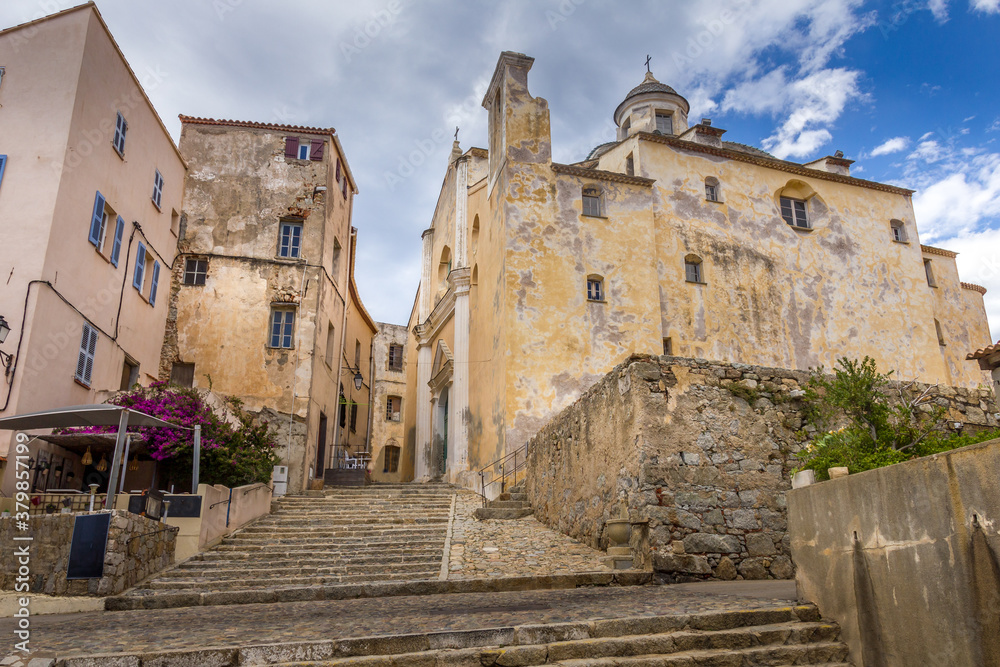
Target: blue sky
907, 88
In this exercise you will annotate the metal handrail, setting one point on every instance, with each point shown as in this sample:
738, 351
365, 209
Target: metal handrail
504, 463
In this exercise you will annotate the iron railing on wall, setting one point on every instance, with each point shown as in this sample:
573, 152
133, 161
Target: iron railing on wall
504, 469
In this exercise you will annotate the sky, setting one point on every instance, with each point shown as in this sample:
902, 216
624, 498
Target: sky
907, 88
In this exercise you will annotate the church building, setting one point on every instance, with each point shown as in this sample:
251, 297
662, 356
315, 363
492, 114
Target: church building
539, 277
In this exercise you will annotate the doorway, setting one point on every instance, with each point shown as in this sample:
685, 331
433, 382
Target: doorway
321, 446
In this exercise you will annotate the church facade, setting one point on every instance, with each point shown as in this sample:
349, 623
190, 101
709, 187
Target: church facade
539, 277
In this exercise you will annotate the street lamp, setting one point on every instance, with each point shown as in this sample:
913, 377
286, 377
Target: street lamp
358, 380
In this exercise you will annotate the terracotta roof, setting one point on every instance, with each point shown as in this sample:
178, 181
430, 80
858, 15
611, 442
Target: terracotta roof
191, 120
931, 250
600, 150
984, 352
974, 287
600, 175
783, 165
749, 150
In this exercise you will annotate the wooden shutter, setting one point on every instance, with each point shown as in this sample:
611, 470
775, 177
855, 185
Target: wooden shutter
316, 150
116, 248
338, 170
140, 267
291, 148
155, 282
85, 361
95, 220
3, 165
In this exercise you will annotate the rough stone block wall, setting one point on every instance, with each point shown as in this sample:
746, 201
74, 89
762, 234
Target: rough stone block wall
701, 450
137, 548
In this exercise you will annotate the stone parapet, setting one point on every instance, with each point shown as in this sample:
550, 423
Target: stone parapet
702, 450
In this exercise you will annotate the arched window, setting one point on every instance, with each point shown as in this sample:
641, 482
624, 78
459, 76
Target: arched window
592, 202
713, 191
595, 288
474, 237
793, 203
444, 266
693, 272
898, 231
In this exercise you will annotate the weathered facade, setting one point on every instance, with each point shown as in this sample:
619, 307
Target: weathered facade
90, 193
389, 395
539, 277
263, 304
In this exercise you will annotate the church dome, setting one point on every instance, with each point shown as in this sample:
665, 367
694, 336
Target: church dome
637, 111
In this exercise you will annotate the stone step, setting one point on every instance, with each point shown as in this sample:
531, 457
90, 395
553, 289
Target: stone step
201, 585
318, 557
332, 533
221, 574
317, 548
501, 513
280, 526
510, 504
400, 563
765, 656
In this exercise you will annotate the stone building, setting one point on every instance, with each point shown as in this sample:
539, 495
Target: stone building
540, 277
263, 304
90, 193
389, 382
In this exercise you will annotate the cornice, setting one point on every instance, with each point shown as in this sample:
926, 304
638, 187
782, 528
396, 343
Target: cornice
601, 175
781, 165
974, 287
931, 250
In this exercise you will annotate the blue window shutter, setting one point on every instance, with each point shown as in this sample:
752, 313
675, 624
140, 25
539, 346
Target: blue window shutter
155, 282
140, 267
116, 249
95, 220
3, 165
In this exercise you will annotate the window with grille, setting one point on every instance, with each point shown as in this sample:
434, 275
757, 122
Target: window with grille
794, 212
195, 271
395, 357
392, 408
282, 328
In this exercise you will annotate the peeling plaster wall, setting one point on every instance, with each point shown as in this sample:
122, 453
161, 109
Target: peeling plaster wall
779, 296
241, 186
388, 383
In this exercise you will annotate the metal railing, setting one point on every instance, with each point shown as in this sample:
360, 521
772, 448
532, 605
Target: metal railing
509, 466
55, 503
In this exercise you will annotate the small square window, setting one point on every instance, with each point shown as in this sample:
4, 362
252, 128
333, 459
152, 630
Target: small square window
282, 328
121, 127
595, 289
668, 347
290, 242
195, 271
794, 212
630, 165
929, 272
157, 188
303, 152
711, 192
898, 231
182, 374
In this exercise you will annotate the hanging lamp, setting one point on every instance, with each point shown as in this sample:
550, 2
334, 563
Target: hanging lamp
88, 458
102, 465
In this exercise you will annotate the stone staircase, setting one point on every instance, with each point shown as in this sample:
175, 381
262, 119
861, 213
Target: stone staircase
511, 504
384, 532
753, 638
774, 637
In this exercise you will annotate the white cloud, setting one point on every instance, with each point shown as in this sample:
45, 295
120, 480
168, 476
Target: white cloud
816, 101
889, 146
979, 263
995, 127
958, 198
986, 6
939, 8
928, 151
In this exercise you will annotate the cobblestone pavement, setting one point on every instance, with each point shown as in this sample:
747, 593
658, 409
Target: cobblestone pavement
251, 624
513, 547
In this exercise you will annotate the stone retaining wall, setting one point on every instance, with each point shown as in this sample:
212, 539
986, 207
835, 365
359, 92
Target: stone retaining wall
701, 450
125, 562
